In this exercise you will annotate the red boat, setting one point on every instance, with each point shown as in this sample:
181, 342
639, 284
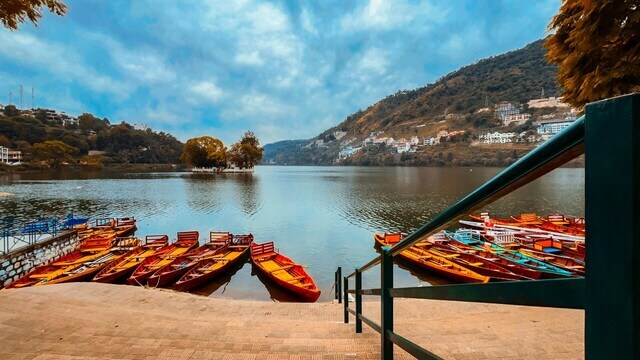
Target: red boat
283, 271
123, 267
187, 241
210, 267
183, 263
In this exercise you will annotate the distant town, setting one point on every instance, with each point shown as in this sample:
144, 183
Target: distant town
509, 114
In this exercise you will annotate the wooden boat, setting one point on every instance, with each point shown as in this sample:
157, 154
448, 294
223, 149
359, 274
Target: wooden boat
431, 261
211, 265
91, 249
187, 241
125, 226
183, 263
572, 265
477, 263
124, 266
87, 270
549, 245
283, 271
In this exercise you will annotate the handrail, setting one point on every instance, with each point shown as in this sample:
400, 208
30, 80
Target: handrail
609, 293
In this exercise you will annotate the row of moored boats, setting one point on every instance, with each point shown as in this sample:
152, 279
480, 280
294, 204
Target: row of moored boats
484, 249
109, 254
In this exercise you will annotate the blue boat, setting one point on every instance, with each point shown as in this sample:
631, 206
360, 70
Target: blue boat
474, 240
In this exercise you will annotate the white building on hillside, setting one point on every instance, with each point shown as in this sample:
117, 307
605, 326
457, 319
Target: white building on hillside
517, 119
414, 140
339, 134
403, 147
497, 137
431, 141
547, 102
505, 108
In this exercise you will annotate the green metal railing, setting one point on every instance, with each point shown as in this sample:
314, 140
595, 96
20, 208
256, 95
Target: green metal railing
609, 136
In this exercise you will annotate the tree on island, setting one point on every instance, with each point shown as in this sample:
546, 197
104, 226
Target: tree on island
53, 152
204, 151
247, 152
596, 45
16, 12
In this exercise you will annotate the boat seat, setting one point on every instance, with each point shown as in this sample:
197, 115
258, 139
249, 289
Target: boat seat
475, 264
282, 268
39, 276
296, 278
306, 285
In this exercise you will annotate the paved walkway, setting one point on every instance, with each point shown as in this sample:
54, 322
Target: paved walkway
85, 320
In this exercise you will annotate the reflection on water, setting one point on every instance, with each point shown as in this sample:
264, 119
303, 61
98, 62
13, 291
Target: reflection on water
322, 217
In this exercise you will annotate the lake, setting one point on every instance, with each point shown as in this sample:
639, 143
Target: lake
322, 217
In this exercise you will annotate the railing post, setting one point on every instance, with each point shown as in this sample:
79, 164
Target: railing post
335, 283
346, 300
358, 301
339, 288
612, 204
386, 315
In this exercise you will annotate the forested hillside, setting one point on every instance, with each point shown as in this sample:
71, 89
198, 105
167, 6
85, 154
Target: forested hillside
450, 103
121, 143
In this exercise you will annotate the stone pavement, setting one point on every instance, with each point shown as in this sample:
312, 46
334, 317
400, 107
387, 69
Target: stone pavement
86, 320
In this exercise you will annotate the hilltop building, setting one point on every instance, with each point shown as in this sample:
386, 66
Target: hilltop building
339, 134
505, 108
517, 119
431, 141
497, 137
547, 102
548, 128
10, 157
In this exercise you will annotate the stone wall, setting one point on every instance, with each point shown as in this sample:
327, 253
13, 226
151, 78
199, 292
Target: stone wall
20, 261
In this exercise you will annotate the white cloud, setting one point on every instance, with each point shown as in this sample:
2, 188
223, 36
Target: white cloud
388, 15
206, 90
58, 61
307, 22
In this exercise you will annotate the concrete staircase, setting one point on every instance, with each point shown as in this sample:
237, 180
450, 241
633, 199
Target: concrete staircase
86, 320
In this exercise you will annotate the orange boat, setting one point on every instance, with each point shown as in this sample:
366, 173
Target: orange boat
432, 262
89, 269
212, 265
187, 241
124, 266
89, 250
170, 272
283, 271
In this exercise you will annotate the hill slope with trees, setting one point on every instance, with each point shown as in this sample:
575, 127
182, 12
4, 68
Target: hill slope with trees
450, 103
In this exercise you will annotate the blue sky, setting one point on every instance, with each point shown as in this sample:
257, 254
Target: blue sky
284, 69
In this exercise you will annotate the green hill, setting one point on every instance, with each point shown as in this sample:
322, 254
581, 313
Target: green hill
451, 103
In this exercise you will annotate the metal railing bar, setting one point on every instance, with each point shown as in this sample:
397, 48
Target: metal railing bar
375, 261
557, 293
377, 292
370, 322
561, 148
412, 348
353, 312
351, 291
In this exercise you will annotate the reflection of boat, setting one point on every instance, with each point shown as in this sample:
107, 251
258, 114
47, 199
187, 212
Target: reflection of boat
224, 257
283, 271
183, 263
223, 279
124, 266
431, 261
187, 241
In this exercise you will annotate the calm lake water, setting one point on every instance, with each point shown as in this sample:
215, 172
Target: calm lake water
322, 217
